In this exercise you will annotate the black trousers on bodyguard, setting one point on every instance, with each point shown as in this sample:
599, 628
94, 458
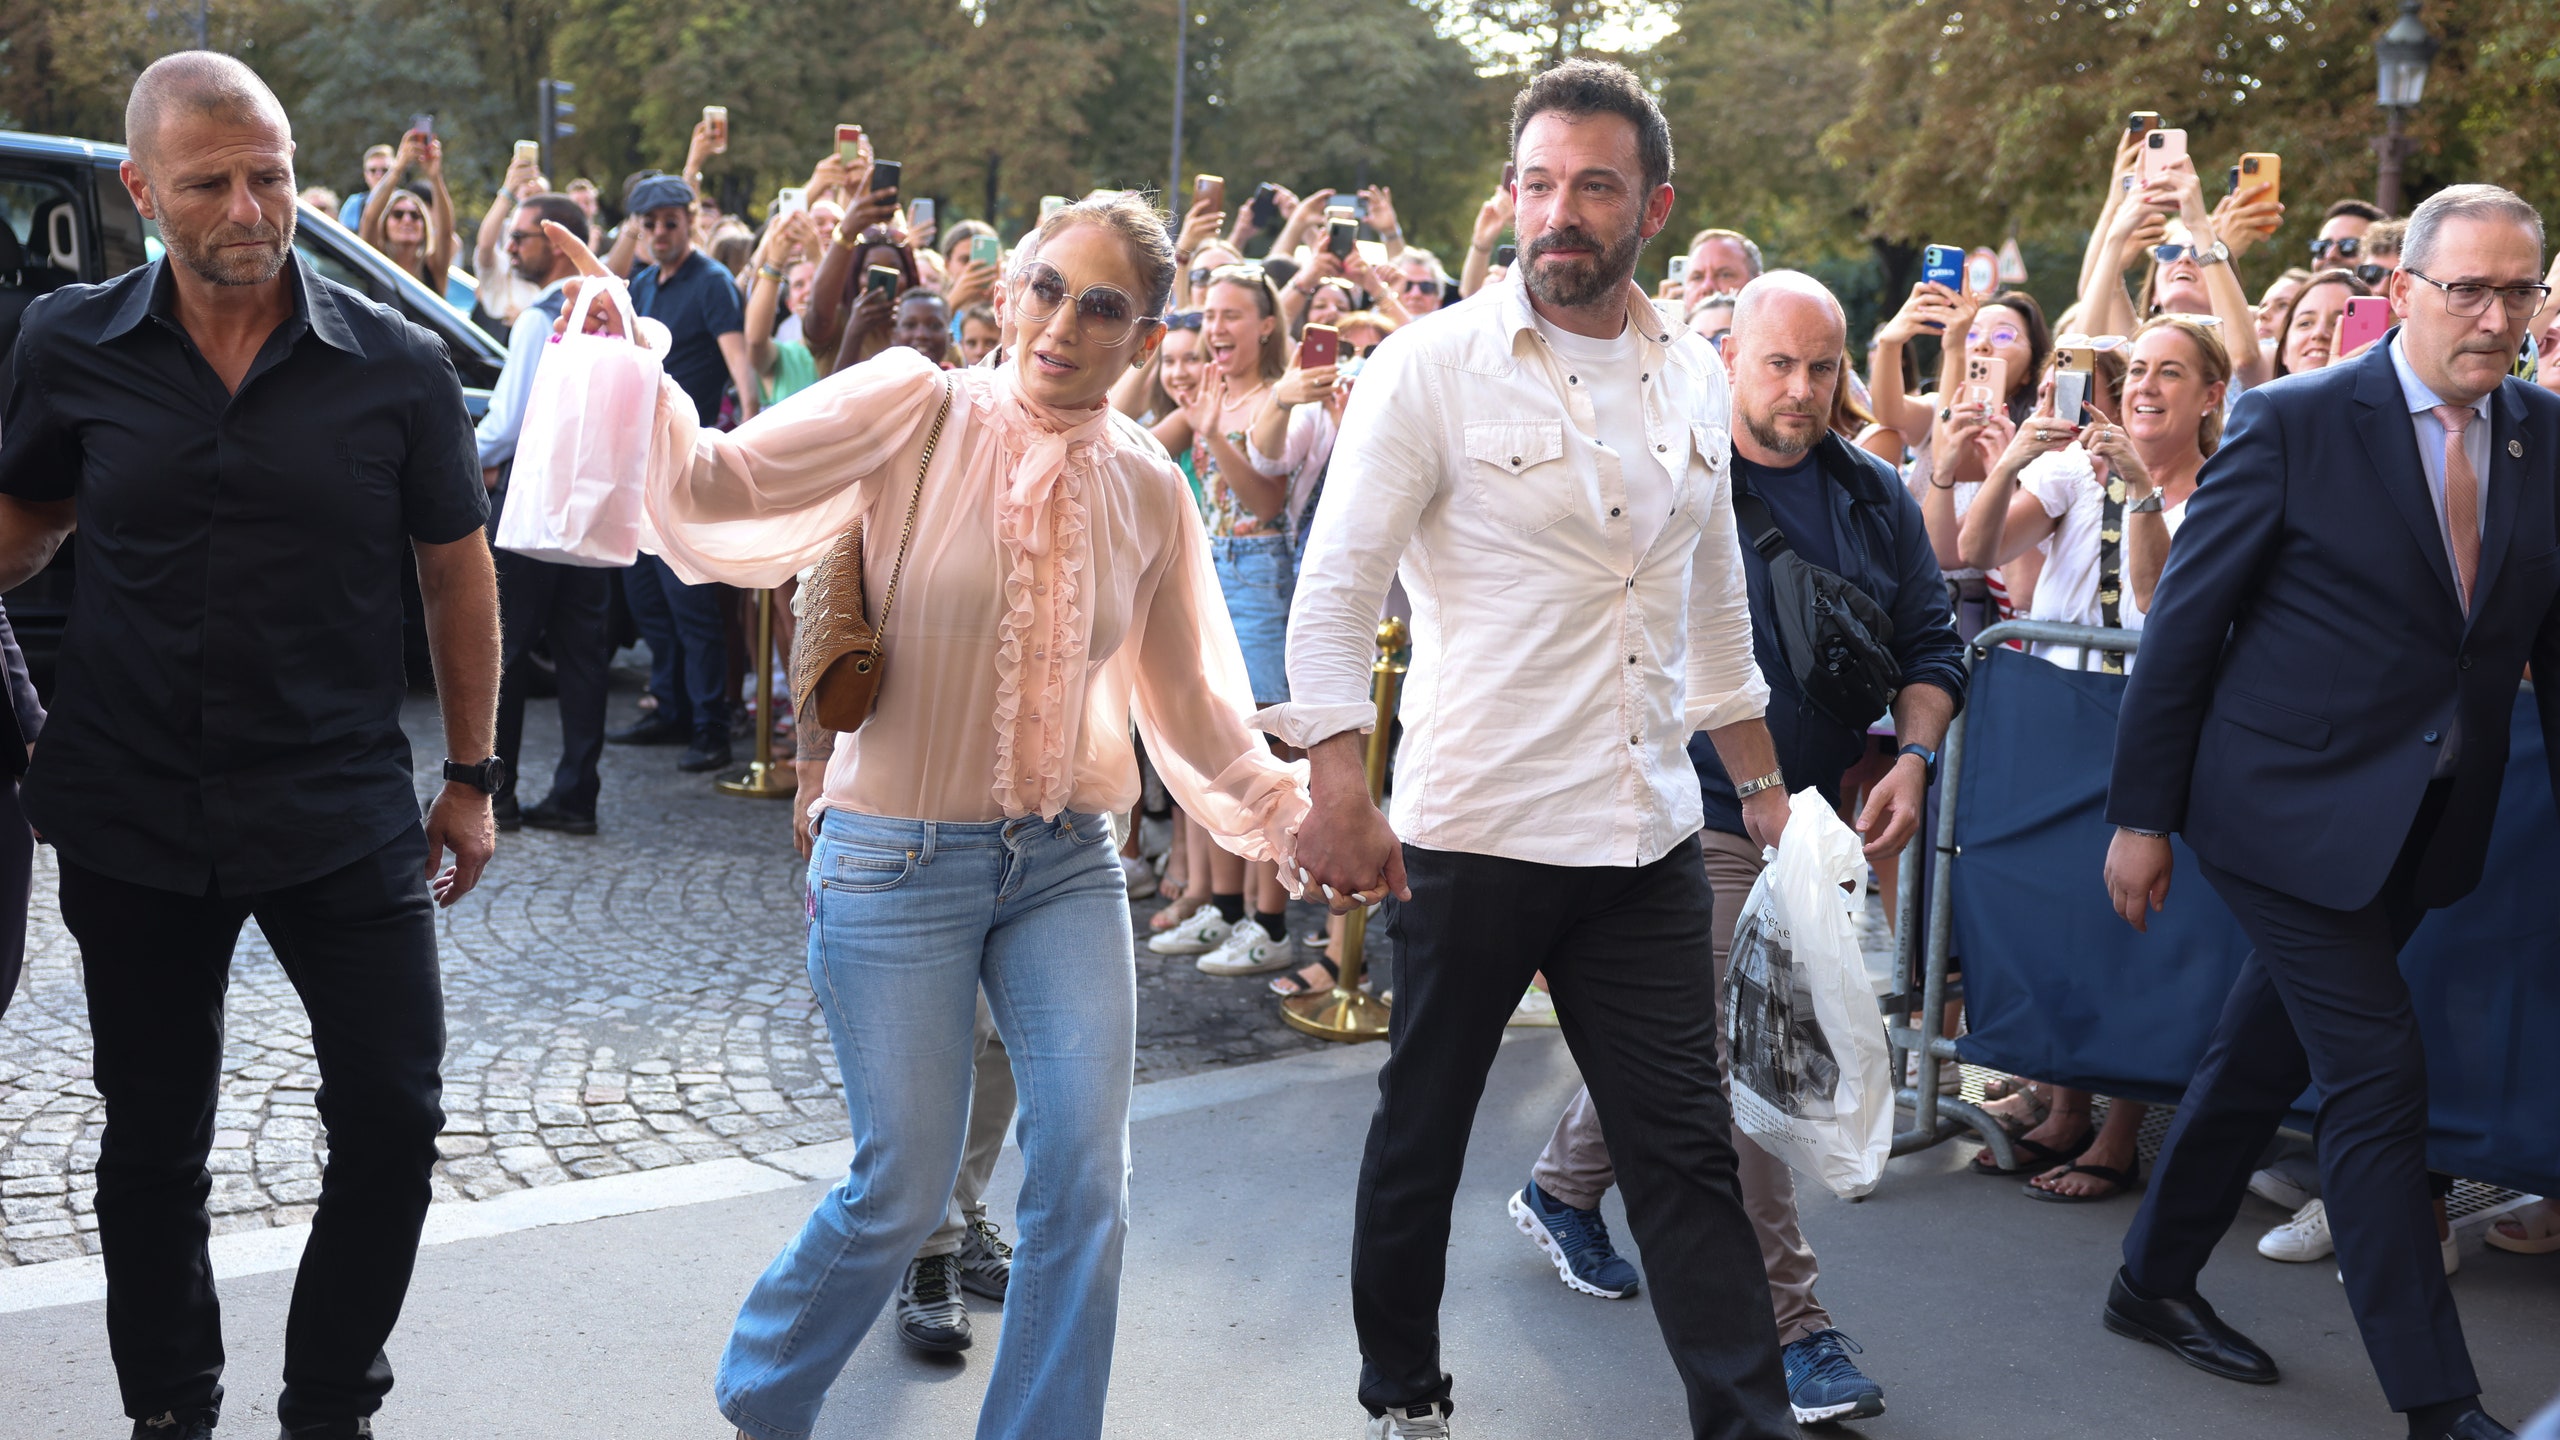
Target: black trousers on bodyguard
1626, 956
359, 945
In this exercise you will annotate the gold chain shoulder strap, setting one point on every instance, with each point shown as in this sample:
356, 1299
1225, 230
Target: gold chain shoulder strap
907, 531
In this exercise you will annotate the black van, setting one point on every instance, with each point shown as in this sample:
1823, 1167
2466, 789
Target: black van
65, 219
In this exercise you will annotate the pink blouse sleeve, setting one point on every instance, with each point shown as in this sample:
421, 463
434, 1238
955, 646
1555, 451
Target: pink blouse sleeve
1191, 699
760, 503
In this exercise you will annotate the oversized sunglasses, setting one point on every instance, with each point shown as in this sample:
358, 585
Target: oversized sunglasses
1106, 312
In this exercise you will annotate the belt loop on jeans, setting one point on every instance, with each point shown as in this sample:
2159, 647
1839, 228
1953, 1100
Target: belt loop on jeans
924, 854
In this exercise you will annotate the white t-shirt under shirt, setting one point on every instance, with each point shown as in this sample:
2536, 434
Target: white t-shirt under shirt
1614, 372
2064, 483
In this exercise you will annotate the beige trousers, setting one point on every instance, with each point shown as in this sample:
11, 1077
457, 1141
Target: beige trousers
1575, 1168
991, 1098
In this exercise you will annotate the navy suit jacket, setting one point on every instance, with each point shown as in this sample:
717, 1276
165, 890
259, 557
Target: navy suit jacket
2308, 652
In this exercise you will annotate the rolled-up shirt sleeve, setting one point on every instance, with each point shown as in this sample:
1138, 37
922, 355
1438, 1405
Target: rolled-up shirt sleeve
1385, 471
1725, 684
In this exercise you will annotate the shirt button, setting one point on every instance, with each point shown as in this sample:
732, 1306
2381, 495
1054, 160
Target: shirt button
1573, 379
2430, 737
1613, 510
2466, 662
1635, 739
1631, 659
1515, 459
1661, 447
1039, 589
1039, 654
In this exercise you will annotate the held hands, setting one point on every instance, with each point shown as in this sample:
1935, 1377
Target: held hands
460, 821
1348, 855
2138, 876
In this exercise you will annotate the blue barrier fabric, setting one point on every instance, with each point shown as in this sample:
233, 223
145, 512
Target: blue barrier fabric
2058, 988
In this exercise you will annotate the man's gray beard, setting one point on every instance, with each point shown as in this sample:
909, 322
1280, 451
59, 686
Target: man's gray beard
1773, 441
1607, 275
217, 272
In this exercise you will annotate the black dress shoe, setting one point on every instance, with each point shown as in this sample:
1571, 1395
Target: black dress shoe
552, 815
2189, 1330
652, 729
176, 1425
506, 812
2476, 1425
710, 752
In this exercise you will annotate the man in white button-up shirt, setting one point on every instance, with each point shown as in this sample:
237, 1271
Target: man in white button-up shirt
1546, 466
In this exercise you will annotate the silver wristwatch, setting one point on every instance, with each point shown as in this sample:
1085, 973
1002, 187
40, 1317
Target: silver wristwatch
2215, 254
2150, 504
1770, 781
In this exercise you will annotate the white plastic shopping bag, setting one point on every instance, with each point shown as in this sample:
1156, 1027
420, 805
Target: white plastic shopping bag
583, 452
1812, 1075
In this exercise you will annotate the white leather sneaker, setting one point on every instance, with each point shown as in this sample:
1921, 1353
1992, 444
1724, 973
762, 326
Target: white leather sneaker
1249, 950
1429, 1421
1203, 932
2303, 1238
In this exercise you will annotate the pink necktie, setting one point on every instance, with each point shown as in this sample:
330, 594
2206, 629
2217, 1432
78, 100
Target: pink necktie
2461, 498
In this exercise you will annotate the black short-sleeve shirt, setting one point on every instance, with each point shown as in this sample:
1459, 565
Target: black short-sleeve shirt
699, 305
227, 710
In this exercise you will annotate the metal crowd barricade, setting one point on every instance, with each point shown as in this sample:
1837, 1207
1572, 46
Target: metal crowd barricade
1921, 952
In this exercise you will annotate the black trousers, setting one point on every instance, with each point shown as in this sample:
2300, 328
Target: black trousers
1626, 956
360, 947
569, 605
2321, 998
17, 883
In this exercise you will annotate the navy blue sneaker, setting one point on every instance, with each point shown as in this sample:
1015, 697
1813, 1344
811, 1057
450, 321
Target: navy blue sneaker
1576, 1240
1824, 1384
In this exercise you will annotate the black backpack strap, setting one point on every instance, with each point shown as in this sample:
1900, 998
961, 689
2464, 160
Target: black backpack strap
1758, 525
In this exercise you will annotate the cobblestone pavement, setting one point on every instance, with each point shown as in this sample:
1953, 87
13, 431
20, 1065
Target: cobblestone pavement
616, 1002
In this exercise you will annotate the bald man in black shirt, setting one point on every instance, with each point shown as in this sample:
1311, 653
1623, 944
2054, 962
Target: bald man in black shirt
246, 449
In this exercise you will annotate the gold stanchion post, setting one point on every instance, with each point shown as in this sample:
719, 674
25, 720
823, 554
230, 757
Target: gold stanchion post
763, 778
1347, 1012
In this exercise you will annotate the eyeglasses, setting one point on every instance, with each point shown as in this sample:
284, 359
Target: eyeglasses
1183, 320
2346, 248
2464, 299
2002, 335
522, 237
1106, 312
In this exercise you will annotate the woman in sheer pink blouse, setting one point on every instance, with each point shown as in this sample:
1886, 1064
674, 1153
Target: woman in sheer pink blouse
1057, 587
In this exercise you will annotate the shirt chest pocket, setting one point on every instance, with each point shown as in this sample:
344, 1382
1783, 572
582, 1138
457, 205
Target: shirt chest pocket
1704, 472
1516, 471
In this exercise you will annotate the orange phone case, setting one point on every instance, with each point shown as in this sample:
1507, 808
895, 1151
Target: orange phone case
2260, 167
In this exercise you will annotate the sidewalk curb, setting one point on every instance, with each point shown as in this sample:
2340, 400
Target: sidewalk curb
256, 1252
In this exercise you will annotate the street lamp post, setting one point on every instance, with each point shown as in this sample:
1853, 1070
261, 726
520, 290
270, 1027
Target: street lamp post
2400, 58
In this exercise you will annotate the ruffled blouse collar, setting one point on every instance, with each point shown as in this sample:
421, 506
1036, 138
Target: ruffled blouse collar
1050, 458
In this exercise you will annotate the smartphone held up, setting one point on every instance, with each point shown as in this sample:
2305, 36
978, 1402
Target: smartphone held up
1321, 346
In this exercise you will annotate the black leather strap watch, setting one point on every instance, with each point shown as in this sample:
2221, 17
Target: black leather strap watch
1928, 760
484, 777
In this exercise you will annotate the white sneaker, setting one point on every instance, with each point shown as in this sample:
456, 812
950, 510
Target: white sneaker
2303, 1238
1203, 932
1429, 1421
1248, 950
2272, 1187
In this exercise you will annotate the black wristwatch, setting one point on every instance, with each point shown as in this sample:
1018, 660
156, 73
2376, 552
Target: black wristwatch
484, 777
1928, 760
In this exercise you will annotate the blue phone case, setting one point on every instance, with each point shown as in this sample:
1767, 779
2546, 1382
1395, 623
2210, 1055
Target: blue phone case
1942, 265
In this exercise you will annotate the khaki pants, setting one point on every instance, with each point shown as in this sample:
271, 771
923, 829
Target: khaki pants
1575, 1168
991, 1098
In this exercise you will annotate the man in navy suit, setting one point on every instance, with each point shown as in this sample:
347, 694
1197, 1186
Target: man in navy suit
2321, 710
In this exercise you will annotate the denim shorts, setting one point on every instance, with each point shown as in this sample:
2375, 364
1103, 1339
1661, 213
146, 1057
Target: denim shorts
1259, 574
